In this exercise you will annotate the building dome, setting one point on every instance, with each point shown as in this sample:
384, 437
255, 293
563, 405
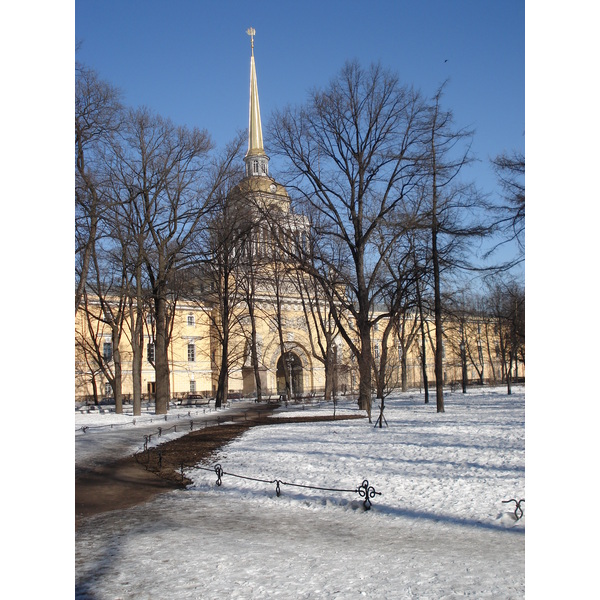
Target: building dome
262, 185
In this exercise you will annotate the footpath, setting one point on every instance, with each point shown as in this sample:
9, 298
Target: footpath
116, 470
105, 480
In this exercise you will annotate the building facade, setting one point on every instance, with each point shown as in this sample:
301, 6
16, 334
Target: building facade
281, 343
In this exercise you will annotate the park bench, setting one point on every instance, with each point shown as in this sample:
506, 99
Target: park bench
195, 400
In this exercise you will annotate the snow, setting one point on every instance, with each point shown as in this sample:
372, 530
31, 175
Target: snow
438, 530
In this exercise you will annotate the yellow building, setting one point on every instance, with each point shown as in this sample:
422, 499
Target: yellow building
286, 341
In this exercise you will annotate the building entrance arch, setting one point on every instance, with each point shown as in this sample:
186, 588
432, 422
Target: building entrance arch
295, 368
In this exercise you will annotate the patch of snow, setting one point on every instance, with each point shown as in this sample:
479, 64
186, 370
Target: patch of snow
438, 530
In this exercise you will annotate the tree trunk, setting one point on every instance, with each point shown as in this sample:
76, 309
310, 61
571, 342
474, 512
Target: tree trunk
423, 344
253, 346
509, 374
118, 381
136, 375
256, 368
403, 371
222, 382
137, 349
161, 356
463, 361
365, 370
437, 309
329, 368
95, 390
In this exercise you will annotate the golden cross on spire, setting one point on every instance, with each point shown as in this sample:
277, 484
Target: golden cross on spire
251, 32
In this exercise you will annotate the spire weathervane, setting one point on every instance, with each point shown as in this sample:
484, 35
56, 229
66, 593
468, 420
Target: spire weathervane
251, 32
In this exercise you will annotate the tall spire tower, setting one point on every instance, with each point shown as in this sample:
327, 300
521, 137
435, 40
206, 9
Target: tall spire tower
257, 162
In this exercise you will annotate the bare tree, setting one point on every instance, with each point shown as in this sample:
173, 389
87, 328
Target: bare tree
509, 213
87, 348
280, 287
355, 154
249, 286
110, 290
97, 118
506, 302
226, 239
98, 348
166, 173
407, 335
320, 326
451, 216
397, 298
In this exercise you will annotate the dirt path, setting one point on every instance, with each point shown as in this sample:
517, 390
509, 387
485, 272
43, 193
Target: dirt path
138, 478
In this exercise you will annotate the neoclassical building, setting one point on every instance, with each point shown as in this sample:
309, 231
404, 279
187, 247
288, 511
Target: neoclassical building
286, 339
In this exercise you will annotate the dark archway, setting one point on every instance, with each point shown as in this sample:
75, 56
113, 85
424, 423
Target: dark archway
294, 364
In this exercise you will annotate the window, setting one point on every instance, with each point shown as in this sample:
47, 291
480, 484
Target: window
150, 352
107, 352
191, 320
255, 166
192, 386
108, 390
376, 350
191, 352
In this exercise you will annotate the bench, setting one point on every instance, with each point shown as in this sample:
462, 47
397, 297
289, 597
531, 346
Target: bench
194, 400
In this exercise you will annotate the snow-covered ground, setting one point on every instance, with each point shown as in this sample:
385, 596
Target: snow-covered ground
438, 530
102, 436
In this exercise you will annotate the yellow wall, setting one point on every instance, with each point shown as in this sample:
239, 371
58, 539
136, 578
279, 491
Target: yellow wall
203, 370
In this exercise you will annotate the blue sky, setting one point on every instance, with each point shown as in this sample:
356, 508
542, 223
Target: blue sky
190, 60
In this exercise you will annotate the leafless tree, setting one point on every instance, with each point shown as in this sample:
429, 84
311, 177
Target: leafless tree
506, 305
88, 354
99, 353
355, 152
320, 325
452, 215
97, 119
280, 283
397, 298
509, 212
225, 240
407, 335
168, 177
249, 285
109, 287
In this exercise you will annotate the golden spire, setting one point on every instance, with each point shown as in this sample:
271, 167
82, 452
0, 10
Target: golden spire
255, 138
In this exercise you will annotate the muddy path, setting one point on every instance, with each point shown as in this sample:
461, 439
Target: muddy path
136, 479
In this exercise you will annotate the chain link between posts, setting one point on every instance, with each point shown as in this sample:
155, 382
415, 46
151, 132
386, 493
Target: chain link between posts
364, 490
